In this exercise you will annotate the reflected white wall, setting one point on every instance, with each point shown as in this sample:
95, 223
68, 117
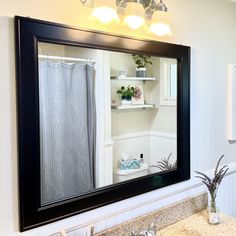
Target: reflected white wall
154, 145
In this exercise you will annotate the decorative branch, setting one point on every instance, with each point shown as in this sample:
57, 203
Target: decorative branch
213, 184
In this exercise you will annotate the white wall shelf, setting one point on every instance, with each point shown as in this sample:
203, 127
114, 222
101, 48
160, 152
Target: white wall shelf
133, 78
126, 107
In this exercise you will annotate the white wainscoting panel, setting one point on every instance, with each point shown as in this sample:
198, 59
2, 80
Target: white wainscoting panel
226, 198
134, 144
162, 145
154, 146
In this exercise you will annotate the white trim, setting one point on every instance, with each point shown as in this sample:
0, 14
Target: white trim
109, 142
104, 161
131, 136
163, 135
67, 58
100, 98
143, 134
165, 100
231, 96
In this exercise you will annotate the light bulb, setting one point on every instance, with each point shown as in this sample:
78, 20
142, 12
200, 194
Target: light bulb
160, 29
134, 22
160, 24
105, 11
134, 15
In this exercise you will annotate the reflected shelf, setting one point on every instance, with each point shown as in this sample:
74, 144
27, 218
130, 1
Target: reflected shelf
133, 78
126, 107
118, 171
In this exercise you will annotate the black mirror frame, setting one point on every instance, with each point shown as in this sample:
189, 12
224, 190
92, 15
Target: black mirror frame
28, 33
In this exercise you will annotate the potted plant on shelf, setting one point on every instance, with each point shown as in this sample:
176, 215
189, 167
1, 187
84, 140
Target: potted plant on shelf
141, 61
126, 94
212, 185
166, 164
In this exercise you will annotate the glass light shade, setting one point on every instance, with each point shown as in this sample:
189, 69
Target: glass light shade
105, 11
134, 15
160, 24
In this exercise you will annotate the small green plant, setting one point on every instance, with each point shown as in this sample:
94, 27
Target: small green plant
126, 92
141, 61
165, 164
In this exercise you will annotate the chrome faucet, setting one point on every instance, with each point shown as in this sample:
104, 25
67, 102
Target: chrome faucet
150, 232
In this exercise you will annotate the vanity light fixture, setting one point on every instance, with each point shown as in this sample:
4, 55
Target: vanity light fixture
160, 20
105, 11
135, 13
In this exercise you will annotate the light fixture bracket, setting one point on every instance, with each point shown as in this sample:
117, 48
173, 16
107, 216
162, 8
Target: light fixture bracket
161, 6
84, 1
149, 5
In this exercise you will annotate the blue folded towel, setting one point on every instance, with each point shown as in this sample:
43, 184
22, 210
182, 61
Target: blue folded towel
129, 164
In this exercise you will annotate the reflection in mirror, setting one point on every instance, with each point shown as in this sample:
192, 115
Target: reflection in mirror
168, 82
101, 121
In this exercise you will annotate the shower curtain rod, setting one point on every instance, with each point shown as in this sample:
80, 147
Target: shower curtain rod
66, 58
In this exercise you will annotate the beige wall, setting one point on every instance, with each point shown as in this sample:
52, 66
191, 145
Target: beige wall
131, 121
208, 26
162, 119
51, 49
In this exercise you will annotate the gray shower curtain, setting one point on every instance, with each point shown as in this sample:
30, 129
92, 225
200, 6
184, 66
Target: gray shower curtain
67, 129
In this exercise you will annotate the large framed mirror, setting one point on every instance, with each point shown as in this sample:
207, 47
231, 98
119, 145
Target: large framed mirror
93, 128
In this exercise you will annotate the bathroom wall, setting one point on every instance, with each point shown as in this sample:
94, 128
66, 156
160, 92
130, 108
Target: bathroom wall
153, 145
137, 131
51, 49
162, 145
162, 119
122, 62
134, 144
132, 121
207, 26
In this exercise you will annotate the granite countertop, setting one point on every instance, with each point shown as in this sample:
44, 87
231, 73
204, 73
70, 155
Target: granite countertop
163, 217
197, 225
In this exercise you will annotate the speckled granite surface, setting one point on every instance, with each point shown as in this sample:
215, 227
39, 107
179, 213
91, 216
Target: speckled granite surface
162, 217
197, 225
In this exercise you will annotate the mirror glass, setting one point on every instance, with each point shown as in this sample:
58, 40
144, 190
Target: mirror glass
101, 122
168, 82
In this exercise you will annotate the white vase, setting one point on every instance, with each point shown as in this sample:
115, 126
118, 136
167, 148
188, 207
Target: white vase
213, 212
